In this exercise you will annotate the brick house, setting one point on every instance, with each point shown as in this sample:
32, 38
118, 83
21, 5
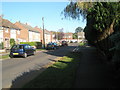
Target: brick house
53, 36
68, 36
28, 33
81, 36
47, 36
7, 31
41, 33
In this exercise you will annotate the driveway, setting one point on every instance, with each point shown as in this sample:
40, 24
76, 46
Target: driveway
18, 71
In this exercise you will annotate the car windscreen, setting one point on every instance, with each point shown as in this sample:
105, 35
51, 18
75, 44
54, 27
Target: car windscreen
17, 47
64, 42
49, 44
54, 43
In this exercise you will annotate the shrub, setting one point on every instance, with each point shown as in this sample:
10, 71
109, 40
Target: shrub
30, 43
82, 44
1, 45
38, 45
12, 42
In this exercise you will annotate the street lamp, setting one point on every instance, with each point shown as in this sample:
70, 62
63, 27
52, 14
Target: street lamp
43, 33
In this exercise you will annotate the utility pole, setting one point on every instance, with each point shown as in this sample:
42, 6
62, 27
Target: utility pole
43, 33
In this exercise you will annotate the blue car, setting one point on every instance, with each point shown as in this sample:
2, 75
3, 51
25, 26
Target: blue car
52, 46
22, 50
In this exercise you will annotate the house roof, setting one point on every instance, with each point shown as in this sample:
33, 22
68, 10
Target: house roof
29, 27
68, 34
80, 33
47, 32
38, 29
6, 23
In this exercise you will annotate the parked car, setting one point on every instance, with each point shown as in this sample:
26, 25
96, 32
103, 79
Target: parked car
59, 43
52, 46
22, 50
64, 43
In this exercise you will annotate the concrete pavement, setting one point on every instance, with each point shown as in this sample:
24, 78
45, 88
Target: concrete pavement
91, 72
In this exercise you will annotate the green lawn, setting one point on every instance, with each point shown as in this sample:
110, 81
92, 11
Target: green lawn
4, 56
82, 44
60, 75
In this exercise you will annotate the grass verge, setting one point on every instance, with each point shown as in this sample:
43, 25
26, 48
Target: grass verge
59, 75
40, 49
82, 44
4, 56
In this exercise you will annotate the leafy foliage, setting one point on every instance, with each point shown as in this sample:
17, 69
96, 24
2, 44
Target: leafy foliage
37, 44
78, 29
72, 10
103, 25
75, 36
1, 45
12, 42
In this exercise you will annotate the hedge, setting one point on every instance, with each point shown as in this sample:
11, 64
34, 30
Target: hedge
38, 45
12, 42
1, 45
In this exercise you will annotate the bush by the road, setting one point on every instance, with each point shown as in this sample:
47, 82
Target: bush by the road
38, 45
1, 45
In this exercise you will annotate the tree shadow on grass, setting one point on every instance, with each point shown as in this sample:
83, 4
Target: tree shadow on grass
55, 71
25, 77
59, 75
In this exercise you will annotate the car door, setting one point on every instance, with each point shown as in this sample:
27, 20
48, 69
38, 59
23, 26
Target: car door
31, 49
26, 47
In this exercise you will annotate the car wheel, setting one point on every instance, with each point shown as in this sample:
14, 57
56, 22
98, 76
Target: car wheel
11, 56
25, 55
34, 53
55, 48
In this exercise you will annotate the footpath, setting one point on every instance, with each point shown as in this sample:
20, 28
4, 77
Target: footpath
91, 72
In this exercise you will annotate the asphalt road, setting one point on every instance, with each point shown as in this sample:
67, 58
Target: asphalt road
13, 69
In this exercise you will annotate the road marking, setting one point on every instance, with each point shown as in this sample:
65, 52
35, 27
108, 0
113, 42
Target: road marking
75, 49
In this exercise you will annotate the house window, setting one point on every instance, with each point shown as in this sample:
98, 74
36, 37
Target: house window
18, 31
1, 35
1, 28
13, 34
6, 30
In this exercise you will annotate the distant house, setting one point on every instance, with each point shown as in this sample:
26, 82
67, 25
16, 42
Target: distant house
7, 31
41, 33
81, 36
47, 36
68, 36
28, 33
53, 37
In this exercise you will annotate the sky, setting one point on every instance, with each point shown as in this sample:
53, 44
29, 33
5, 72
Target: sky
32, 13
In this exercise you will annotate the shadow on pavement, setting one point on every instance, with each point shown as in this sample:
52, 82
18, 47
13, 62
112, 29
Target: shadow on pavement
25, 77
92, 73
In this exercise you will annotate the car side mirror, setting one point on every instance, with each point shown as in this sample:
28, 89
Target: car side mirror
33, 47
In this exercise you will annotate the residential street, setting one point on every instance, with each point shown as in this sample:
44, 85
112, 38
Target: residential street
12, 68
72, 44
